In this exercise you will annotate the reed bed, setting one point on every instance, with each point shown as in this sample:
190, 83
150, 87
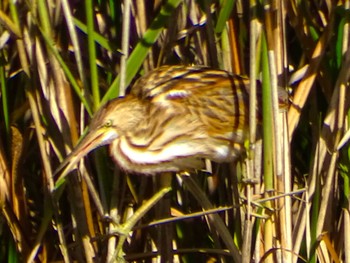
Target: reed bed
285, 200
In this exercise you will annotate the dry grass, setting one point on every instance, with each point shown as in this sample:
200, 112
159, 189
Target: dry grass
59, 61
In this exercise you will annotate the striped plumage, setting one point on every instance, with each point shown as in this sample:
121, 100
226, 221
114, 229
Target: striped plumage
173, 117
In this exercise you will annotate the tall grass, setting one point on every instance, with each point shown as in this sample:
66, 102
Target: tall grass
286, 199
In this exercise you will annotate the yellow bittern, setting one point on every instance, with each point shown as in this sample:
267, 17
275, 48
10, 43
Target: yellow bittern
173, 118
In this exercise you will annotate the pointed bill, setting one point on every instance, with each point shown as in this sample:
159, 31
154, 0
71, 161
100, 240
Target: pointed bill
91, 141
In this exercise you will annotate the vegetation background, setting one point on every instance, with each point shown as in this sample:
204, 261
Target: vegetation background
61, 60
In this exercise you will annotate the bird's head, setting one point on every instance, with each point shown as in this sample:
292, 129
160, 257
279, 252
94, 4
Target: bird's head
110, 122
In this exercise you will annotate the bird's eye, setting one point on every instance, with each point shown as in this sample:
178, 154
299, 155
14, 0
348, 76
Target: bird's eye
108, 123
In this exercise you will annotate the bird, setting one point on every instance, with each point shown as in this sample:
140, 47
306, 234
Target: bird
173, 118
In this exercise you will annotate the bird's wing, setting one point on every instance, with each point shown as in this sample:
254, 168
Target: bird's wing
169, 83
161, 79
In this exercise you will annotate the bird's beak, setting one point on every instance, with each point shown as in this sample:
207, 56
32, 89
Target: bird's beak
91, 141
